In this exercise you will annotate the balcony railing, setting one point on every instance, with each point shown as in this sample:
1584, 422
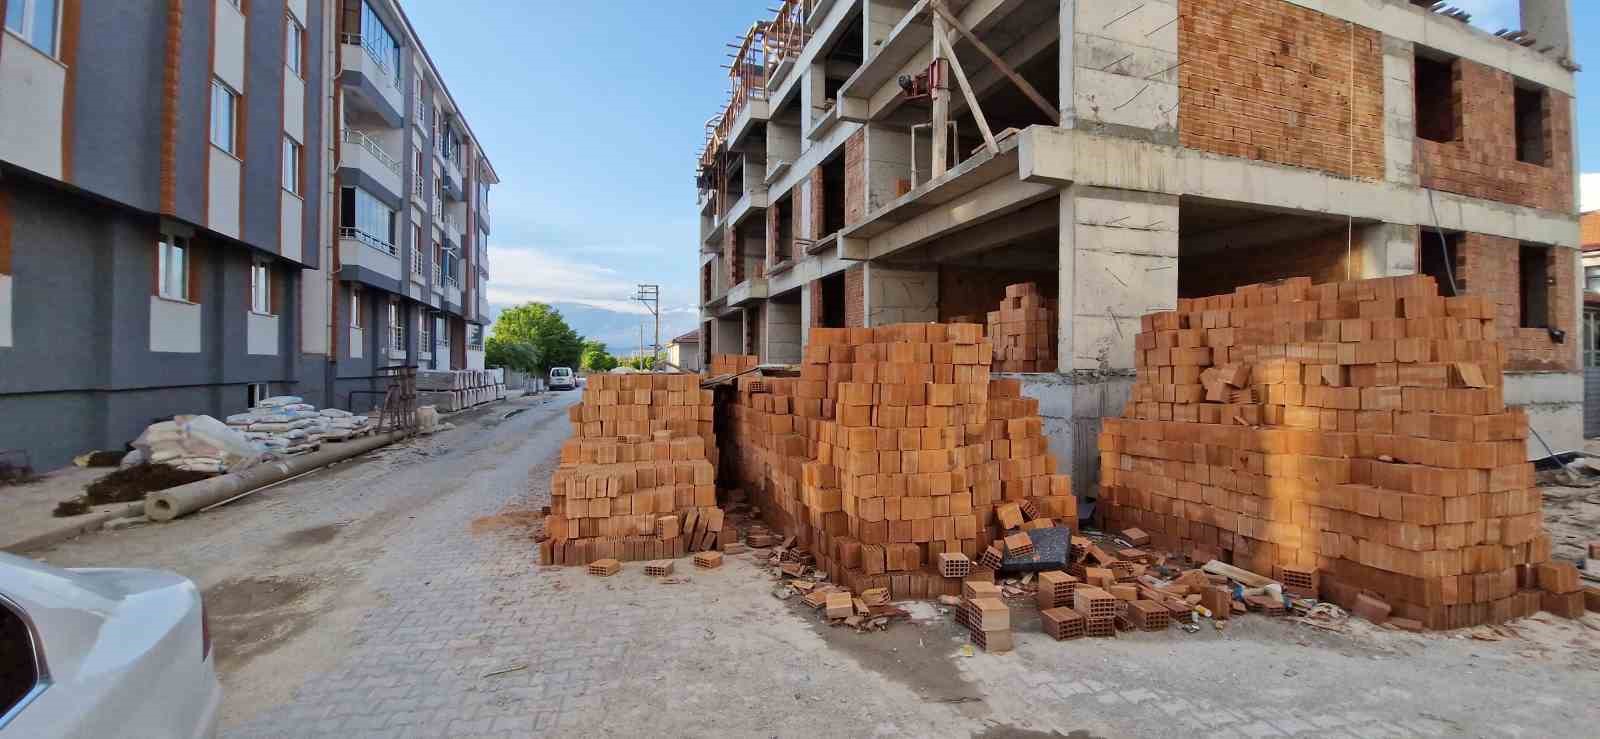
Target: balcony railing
350, 232
436, 280
361, 139
416, 186
376, 54
397, 338
451, 223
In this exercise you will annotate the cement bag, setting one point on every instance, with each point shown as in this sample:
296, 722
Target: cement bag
427, 419
278, 401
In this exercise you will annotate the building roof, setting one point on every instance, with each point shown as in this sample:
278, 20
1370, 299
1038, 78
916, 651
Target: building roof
693, 337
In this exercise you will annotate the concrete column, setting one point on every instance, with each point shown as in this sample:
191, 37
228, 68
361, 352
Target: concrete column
1120, 64
1399, 111
1388, 249
900, 295
727, 335
782, 333
813, 91
879, 17
1118, 261
808, 296
1549, 21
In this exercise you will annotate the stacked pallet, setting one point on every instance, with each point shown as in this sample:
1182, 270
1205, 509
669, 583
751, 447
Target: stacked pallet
1350, 439
638, 480
1023, 331
891, 448
449, 391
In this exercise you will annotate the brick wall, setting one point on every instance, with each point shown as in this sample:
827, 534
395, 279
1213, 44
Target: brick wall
1321, 257
814, 290
818, 205
855, 178
1489, 265
855, 291
1271, 81
1590, 224
752, 330
731, 255
964, 291
772, 234
1482, 161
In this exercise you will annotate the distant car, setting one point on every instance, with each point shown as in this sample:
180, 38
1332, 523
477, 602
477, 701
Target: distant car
103, 652
561, 378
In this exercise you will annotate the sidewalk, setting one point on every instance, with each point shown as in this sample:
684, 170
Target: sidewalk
26, 521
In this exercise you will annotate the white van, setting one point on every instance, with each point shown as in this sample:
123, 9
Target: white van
561, 378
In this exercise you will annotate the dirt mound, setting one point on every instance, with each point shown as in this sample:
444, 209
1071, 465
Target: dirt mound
128, 486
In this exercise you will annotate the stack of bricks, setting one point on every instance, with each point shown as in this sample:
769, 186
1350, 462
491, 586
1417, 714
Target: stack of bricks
638, 480
892, 447
733, 364
986, 616
1351, 435
1023, 331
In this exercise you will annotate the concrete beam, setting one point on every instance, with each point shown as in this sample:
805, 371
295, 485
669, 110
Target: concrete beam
1030, 222
1059, 156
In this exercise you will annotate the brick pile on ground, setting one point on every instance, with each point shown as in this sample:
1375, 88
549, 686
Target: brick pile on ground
893, 446
1348, 439
638, 480
1023, 331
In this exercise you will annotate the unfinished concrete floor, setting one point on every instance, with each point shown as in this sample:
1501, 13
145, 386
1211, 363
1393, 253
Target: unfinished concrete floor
376, 599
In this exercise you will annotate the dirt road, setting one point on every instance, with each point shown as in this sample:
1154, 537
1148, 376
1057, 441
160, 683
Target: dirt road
363, 601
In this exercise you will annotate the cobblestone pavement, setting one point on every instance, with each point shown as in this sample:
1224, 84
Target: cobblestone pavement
360, 602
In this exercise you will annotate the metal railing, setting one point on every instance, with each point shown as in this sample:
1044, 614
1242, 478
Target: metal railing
351, 232
416, 186
451, 223
360, 138
397, 338
373, 53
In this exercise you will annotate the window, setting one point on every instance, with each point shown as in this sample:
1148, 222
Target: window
425, 340
261, 287
357, 317
1531, 144
23, 671
438, 262
416, 249
444, 333
1440, 260
1591, 338
255, 393
224, 116
377, 40
483, 193
294, 45
1533, 268
1438, 107
397, 327
173, 268
35, 22
293, 155
474, 336
366, 218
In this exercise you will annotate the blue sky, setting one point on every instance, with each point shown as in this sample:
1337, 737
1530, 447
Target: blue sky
592, 113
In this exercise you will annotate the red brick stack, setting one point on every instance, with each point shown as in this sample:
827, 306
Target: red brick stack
638, 481
892, 447
732, 364
1023, 331
1349, 437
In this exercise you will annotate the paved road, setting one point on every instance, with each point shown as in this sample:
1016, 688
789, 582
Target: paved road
364, 601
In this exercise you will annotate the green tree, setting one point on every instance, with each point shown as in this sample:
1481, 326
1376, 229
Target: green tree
515, 355
540, 326
642, 363
596, 358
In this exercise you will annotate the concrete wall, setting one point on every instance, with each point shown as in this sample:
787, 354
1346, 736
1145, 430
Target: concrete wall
782, 332
900, 295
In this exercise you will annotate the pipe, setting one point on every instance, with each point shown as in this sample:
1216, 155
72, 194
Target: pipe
182, 500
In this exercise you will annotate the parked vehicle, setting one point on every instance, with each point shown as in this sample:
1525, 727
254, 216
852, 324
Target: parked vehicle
561, 378
103, 652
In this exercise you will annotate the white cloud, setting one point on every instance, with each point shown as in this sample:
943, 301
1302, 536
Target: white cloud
1589, 191
518, 275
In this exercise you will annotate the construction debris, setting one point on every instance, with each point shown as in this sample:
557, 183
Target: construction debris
457, 390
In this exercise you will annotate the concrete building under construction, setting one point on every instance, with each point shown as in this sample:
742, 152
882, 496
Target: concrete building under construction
883, 161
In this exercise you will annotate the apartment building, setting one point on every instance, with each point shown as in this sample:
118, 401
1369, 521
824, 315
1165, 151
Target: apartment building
1125, 153
181, 188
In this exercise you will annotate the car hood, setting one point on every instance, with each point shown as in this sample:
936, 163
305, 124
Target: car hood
69, 607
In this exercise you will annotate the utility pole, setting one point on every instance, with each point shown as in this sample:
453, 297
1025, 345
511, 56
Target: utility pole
650, 297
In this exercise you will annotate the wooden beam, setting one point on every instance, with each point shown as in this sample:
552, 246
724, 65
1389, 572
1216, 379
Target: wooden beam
939, 90
966, 90
937, 6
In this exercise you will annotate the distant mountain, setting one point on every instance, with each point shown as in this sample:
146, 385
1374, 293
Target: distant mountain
620, 330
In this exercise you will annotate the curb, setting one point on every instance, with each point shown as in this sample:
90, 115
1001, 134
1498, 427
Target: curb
67, 530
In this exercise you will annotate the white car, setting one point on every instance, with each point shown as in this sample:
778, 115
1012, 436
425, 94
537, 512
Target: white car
103, 652
561, 378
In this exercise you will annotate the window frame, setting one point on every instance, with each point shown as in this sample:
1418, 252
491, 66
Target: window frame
223, 92
397, 326
425, 327
168, 247
294, 45
261, 287
42, 679
26, 11
355, 307
294, 154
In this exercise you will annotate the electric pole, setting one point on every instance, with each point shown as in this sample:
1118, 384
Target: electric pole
650, 297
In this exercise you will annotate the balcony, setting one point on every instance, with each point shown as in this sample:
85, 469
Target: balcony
451, 178
418, 192
438, 211
452, 229
373, 84
452, 296
367, 160
483, 219
368, 259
